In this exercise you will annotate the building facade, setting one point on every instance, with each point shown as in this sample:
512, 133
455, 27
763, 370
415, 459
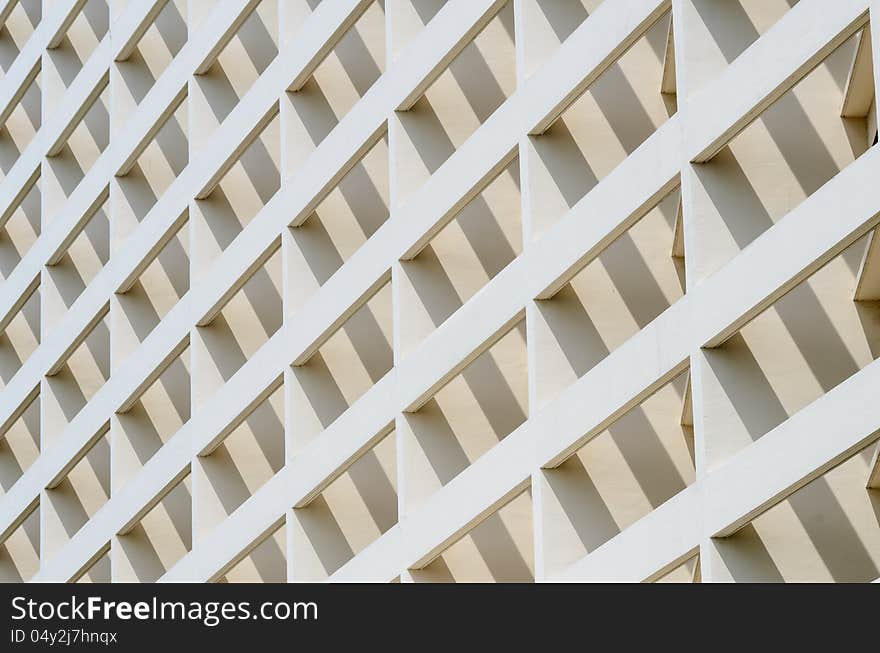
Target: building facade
439, 290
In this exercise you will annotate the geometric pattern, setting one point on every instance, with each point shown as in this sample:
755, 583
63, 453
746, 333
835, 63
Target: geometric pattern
428, 290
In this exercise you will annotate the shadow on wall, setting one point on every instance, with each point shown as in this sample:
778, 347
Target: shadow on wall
814, 338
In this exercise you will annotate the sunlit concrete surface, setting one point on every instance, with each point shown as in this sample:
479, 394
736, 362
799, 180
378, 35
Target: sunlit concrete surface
439, 290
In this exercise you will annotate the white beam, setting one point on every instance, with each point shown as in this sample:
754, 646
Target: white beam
807, 445
562, 254
807, 45
572, 257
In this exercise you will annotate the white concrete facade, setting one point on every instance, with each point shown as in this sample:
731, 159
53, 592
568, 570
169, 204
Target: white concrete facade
439, 290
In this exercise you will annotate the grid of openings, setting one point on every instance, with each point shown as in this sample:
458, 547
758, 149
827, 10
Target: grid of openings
439, 290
